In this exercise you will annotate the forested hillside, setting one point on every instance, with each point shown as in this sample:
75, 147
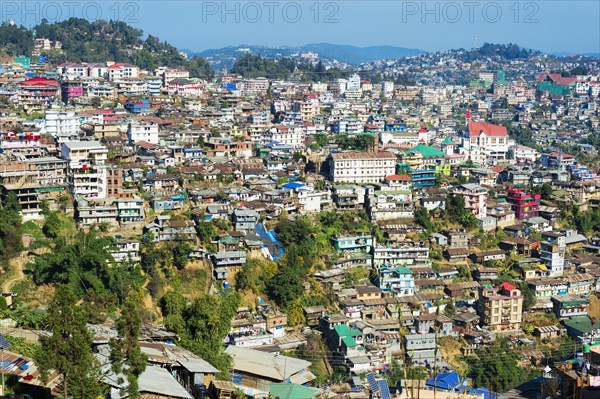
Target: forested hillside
99, 41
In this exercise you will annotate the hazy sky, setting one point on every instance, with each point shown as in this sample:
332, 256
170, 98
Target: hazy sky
547, 25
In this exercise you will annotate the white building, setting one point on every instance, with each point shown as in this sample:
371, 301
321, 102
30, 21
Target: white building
288, 135
87, 167
361, 167
143, 131
492, 139
62, 124
122, 71
387, 87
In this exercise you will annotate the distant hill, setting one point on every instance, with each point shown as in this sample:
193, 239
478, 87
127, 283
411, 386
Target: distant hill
347, 54
567, 54
357, 55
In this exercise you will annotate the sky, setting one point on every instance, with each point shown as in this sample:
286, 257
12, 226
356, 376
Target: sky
571, 26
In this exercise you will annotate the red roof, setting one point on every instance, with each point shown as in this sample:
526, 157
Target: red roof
39, 82
508, 286
398, 178
556, 78
423, 130
476, 128
468, 115
497, 168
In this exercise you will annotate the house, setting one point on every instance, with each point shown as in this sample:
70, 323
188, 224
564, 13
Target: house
432, 203
125, 250
569, 305
421, 348
456, 255
96, 211
548, 332
466, 289
397, 280
227, 263
546, 287
448, 382
257, 369
245, 219
348, 244
485, 274
486, 256
520, 246
190, 369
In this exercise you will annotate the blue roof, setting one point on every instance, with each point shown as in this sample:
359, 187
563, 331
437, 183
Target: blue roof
447, 381
293, 186
229, 86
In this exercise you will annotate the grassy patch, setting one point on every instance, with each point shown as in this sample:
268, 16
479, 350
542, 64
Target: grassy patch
22, 347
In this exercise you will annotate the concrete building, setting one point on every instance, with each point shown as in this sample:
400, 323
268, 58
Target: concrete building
475, 198
552, 252
361, 167
87, 163
501, 308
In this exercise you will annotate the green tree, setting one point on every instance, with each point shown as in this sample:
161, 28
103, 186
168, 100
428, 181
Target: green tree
208, 320
11, 230
286, 286
528, 296
497, 367
68, 347
126, 355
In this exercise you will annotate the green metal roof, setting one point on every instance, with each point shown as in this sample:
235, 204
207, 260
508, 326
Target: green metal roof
292, 391
581, 323
426, 151
447, 140
349, 342
403, 270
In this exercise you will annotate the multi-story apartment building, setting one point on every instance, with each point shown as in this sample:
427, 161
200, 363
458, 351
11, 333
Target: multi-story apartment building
145, 130
405, 253
25, 143
390, 204
558, 161
51, 171
256, 85
167, 74
130, 209
501, 308
358, 243
475, 198
552, 252
125, 250
396, 279
245, 219
86, 167
292, 136
524, 205
361, 167
122, 71
62, 125
307, 109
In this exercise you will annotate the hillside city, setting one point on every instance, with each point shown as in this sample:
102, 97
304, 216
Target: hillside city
297, 228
